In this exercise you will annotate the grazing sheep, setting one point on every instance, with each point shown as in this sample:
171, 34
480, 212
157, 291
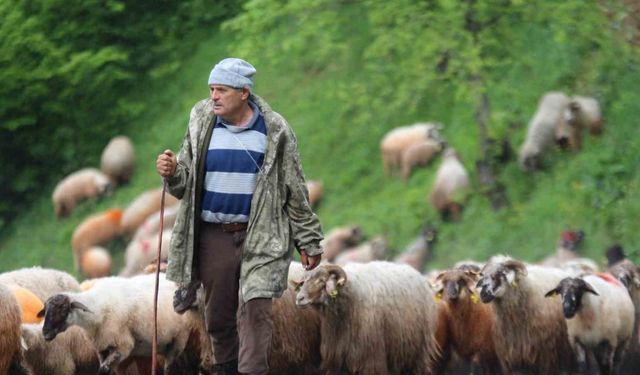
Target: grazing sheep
118, 159
142, 207
83, 184
530, 333
72, 352
29, 304
396, 141
375, 249
541, 130
339, 239
420, 250
143, 251
316, 191
116, 313
377, 318
97, 229
599, 314
11, 359
465, 315
96, 262
43, 282
419, 154
566, 251
585, 113
450, 186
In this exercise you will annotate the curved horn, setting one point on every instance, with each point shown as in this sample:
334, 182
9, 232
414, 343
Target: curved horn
338, 272
517, 266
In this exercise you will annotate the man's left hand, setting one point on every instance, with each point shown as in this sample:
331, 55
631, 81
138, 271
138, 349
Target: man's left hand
309, 262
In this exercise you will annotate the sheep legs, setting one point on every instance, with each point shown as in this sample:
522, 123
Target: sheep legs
111, 359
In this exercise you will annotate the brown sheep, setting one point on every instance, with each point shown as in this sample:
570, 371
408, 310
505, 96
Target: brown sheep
142, 207
375, 249
450, 186
419, 154
377, 318
530, 332
96, 262
11, 359
97, 229
316, 191
396, 141
83, 184
118, 159
339, 239
541, 130
470, 325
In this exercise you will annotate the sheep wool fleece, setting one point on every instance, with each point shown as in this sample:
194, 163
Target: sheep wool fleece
280, 220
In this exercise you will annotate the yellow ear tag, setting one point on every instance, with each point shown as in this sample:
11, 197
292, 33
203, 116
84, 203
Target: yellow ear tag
514, 284
474, 298
438, 297
333, 293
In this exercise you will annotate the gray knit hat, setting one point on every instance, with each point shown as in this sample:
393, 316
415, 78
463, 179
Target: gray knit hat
232, 72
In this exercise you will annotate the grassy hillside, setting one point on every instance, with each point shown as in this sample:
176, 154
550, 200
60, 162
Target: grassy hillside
596, 190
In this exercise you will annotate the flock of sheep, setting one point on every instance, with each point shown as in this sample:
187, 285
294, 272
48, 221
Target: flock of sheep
359, 312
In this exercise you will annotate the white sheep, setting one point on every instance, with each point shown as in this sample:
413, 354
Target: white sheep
396, 141
585, 111
530, 332
144, 205
450, 186
142, 251
541, 131
117, 314
43, 282
419, 154
339, 239
151, 225
376, 249
316, 191
11, 359
72, 352
599, 314
377, 318
118, 159
80, 185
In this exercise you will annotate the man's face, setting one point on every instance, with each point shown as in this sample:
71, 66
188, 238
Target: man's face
227, 101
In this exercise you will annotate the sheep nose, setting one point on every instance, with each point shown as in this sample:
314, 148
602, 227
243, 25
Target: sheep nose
300, 300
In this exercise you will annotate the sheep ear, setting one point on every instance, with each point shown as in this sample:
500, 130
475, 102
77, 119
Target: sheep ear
589, 289
41, 313
553, 292
78, 305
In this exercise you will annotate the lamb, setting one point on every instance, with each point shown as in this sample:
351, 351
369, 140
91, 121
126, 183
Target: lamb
144, 205
96, 262
72, 352
396, 141
116, 313
456, 288
80, 185
375, 249
450, 186
97, 229
541, 130
339, 239
361, 329
316, 191
118, 159
419, 251
599, 314
43, 282
419, 154
142, 251
11, 359
530, 333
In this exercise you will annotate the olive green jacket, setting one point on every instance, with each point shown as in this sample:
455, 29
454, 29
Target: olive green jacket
280, 220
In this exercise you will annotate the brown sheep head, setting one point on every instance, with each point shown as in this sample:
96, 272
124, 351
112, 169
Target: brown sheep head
497, 278
456, 285
320, 286
571, 289
56, 312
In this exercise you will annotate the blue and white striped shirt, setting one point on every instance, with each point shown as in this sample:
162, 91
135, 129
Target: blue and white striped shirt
233, 162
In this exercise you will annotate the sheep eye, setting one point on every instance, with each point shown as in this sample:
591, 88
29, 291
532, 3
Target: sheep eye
298, 287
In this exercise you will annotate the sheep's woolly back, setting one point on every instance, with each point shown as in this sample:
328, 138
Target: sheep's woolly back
530, 330
43, 282
118, 159
9, 330
608, 316
142, 206
383, 321
451, 181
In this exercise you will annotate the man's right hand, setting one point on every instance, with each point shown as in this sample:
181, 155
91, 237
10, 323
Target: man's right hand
166, 163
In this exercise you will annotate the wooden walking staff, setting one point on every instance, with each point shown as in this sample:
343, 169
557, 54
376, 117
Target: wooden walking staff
154, 344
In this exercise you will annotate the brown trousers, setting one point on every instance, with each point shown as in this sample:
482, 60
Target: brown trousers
242, 334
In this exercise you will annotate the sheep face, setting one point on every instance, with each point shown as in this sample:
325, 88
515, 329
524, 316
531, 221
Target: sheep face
498, 278
56, 315
456, 284
571, 290
321, 285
